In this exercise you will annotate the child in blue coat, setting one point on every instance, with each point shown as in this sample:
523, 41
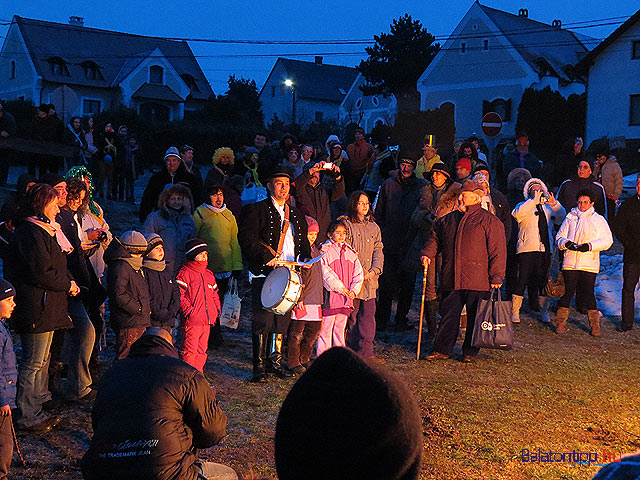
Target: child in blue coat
8, 378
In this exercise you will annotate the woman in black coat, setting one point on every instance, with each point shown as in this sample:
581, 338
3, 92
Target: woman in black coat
38, 270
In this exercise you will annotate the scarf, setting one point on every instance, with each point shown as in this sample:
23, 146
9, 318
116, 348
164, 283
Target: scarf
134, 262
254, 174
53, 229
543, 228
487, 204
214, 209
157, 265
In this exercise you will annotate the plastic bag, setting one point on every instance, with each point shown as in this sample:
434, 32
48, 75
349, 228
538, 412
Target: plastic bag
253, 194
230, 315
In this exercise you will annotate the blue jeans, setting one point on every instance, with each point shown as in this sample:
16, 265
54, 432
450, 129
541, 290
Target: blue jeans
83, 337
33, 378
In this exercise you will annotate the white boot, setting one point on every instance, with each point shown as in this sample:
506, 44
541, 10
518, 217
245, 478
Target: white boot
516, 301
544, 310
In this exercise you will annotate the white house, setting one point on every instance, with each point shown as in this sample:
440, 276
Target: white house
491, 58
314, 89
366, 110
613, 96
83, 71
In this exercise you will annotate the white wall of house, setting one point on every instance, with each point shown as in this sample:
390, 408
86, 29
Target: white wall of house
275, 96
366, 110
18, 77
613, 78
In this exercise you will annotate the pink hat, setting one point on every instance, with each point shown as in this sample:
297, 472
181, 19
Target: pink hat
312, 225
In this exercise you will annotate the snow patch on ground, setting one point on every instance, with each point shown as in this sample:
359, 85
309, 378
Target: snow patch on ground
609, 286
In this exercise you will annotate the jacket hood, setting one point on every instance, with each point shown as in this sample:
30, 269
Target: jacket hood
22, 182
183, 190
152, 345
530, 183
114, 251
515, 173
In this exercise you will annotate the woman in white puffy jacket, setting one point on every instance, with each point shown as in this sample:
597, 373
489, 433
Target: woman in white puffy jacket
536, 217
582, 236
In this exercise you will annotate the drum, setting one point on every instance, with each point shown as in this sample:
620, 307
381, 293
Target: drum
281, 290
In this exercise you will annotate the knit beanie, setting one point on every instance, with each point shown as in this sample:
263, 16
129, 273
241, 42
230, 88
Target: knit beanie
134, 242
6, 289
440, 168
193, 247
464, 163
346, 418
153, 240
312, 225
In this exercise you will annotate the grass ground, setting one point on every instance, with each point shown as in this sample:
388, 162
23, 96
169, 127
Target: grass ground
554, 393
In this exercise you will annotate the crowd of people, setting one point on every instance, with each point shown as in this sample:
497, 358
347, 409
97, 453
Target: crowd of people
365, 222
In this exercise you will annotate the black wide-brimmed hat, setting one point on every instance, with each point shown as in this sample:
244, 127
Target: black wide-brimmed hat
280, 171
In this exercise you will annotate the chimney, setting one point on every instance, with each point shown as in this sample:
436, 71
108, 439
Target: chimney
523, 12
76, 21
318, 60
556, 23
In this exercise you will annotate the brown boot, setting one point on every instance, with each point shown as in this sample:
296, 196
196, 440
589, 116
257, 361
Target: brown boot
561, 319
594, 321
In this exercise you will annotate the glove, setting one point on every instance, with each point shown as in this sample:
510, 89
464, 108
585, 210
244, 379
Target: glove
571, 246
584, 247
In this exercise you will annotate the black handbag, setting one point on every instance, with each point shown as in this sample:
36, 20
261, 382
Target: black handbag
493, 328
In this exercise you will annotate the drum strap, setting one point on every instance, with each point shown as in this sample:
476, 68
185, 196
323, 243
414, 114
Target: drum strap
283, 234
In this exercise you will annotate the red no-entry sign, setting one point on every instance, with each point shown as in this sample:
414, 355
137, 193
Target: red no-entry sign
491, 124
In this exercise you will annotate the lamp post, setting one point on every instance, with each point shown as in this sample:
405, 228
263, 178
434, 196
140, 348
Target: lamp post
289, 83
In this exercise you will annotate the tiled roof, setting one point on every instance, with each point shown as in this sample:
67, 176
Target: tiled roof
157, 92
115, 53
544, 47
319, 81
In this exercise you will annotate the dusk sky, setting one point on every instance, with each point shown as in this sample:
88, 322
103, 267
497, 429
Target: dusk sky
287, 20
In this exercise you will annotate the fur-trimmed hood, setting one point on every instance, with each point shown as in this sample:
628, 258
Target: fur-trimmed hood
530, 183
513, 174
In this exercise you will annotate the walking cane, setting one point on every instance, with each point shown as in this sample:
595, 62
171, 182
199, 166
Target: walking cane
424, 291
15, 441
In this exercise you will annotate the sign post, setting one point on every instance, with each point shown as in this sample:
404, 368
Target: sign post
491, 126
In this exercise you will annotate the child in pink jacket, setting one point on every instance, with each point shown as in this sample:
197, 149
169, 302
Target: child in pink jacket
342, 278
199, 303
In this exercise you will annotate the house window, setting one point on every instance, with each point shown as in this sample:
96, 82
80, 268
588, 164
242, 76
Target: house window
12, 72
58, 66
463, 47
375, 101
92, 71
190, 82
634, 110
485, 45
318, 116
90, 107
501, 106
635, 50
282, 90
156, 74
273, 91
359, 103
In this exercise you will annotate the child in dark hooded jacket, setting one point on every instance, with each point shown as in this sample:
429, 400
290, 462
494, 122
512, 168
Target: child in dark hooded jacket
164, 293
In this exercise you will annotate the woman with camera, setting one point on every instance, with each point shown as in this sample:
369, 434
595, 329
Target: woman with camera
535, 217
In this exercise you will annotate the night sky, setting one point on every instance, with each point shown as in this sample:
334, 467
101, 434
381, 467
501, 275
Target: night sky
287, 20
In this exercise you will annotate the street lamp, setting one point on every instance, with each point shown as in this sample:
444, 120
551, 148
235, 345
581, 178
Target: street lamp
289, 83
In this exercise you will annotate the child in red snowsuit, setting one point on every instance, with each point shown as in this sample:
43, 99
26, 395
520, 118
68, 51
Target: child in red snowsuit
199, 303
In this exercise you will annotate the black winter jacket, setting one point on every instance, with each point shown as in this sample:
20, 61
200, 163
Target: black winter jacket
260, 223
312, 292
315, 201
568, 191
397, 200
164, 296
38, 271
625, 227
159, 180
129, 303
152, 412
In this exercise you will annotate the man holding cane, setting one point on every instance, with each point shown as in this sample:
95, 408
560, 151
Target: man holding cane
474, 253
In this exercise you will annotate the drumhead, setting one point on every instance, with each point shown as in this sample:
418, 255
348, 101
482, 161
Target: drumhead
274, 287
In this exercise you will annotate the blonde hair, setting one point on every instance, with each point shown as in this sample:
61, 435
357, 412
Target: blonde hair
222, 151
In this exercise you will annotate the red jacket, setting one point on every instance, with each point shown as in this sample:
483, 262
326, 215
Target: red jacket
199, 300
